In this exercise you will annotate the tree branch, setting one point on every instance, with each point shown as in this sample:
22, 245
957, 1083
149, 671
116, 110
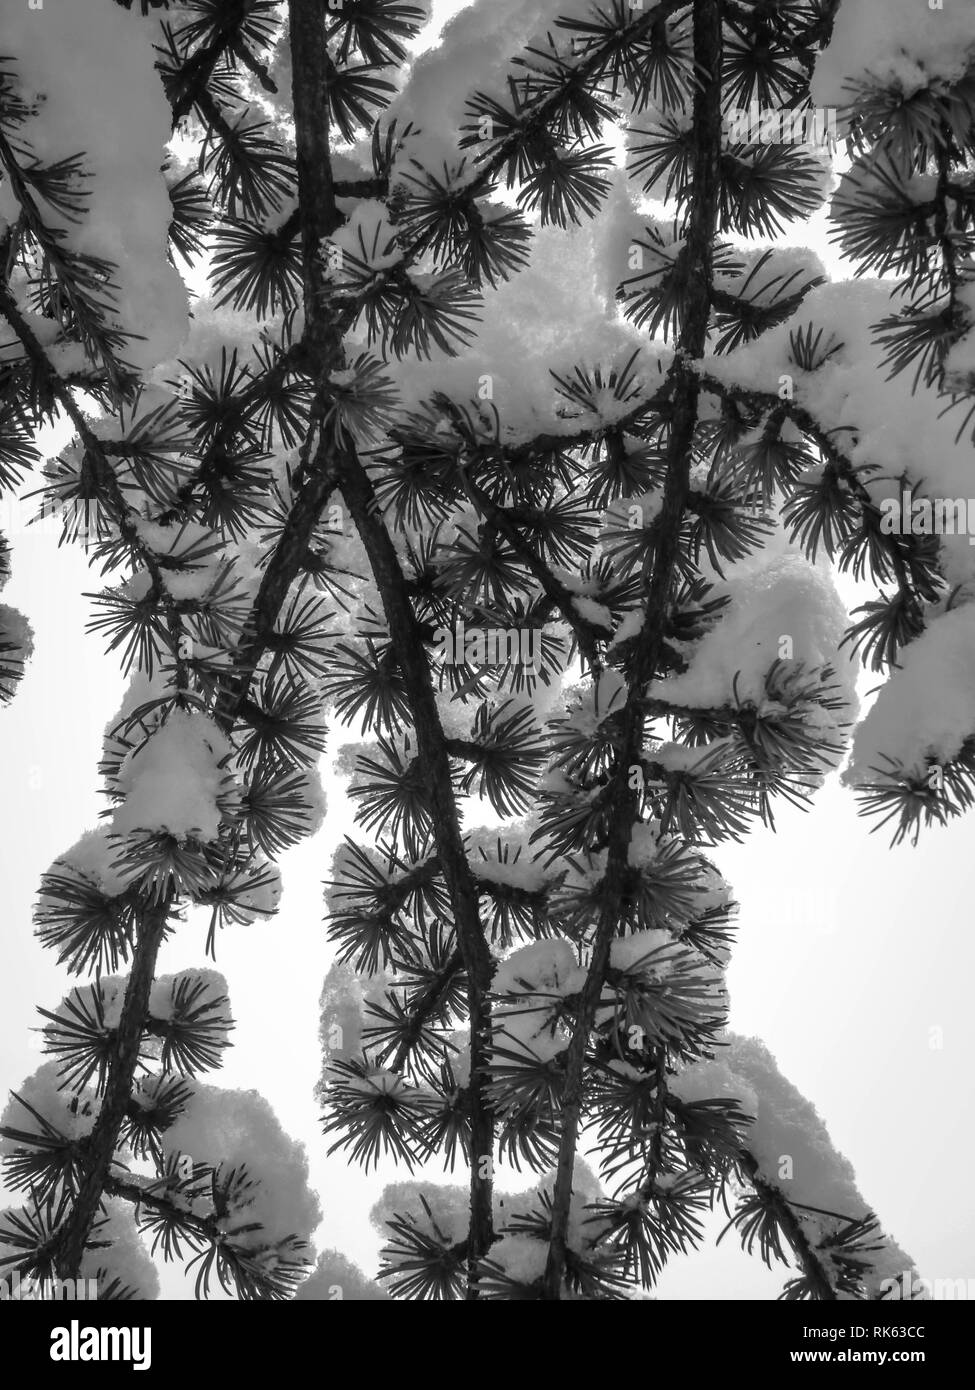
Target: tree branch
699, 243
69, 1247
807, 1258
435, 764
319, 219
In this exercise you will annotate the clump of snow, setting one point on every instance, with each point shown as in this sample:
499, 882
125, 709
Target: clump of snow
771, 598
90, 69
313, 801
712, 1080
623, 225
380, 1081
368, 236
335, 1277
256, 887
876, 421
475, 53
16, 639
346, 859
536, 978
172, 540
345, 997
456, 713
162, 996
589, 704
190, 584
91, 859
550, 317
449, 1212
909, 47
71, 1113
238, 1128
631, 625
119, 1253
583, 1230
115, 1252
926, 709
633, 514
174, 781
543, 967
214, 331
449, 1217
487, 848
596, 613
110, 991
763, 278
522, 1257
679, 757
642, 951
787, 1125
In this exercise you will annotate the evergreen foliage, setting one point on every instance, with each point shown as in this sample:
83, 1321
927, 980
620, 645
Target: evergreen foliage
292, 535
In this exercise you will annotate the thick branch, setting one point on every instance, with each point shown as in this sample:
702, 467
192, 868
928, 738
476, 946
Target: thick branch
319, 219
701, 229
103, 1140
432, 749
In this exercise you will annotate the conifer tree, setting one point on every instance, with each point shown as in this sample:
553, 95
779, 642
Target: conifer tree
512, 441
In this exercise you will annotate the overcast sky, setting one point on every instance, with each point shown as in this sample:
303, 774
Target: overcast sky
853, 961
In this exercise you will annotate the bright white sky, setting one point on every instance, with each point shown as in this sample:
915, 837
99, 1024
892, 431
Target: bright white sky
849, 955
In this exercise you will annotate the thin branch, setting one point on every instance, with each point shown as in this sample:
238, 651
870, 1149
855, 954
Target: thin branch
836, 459
792, 1228
426, 1004
205, 1227
587, 633
190, 82
283, 569
95, 449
